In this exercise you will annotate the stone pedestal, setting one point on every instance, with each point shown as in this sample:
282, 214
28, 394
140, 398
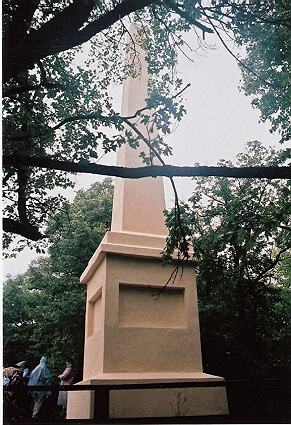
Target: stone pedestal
138, 332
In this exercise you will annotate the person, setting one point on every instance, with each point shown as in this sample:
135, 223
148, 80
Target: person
66, 379
17, 401
11, 376
39, 376
24, 372
16, 379
7, 374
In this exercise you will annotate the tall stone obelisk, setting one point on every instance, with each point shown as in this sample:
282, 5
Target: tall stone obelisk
138, 204
132, 337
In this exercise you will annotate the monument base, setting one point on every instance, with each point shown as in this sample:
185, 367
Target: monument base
123, 395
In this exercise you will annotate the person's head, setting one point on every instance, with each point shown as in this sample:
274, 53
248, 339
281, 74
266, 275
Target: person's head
69, 362
43, 360
20, 365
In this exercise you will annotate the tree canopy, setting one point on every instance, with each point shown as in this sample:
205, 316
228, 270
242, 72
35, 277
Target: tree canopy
57, 111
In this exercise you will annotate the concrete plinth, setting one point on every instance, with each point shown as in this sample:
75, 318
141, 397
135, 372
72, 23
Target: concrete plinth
129, 396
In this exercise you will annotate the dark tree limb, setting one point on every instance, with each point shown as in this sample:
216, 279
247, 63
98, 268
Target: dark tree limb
22, 13
67, 29
272, 263
23, 229
22, 181
150, 171
24, 89
44, 83
63, 32
175, 7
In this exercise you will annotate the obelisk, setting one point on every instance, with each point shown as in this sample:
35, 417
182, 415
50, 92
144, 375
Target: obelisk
138, 204
131, 336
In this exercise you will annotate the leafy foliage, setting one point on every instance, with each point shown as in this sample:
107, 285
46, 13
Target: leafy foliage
240, 234
268, 53
44, 309
86, 222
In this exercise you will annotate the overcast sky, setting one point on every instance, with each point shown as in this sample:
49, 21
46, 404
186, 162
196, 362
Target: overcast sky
220, 120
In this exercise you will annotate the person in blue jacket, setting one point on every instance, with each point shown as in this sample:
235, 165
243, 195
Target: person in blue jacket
39, 376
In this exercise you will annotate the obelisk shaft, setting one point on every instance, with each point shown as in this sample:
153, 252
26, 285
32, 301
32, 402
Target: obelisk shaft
138, 203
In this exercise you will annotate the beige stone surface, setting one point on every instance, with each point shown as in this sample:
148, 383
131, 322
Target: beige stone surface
151, 378
139, 331
154, 402
138, 205
130, 244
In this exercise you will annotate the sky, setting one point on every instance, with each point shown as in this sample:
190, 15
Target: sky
218, 124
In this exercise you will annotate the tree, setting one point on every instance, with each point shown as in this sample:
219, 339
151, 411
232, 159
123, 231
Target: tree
83, 228
44, 309
263, 28
240, 235
57, 113
268, 52
18, 320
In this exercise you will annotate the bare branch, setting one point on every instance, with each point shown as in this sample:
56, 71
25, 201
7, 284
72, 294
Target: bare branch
272, 264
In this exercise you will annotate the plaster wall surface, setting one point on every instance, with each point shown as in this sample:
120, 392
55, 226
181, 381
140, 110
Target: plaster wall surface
145, 215
138, 204
94, 322
153, 402
135, 341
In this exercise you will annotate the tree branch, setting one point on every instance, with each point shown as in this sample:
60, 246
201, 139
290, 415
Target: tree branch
64, 32
274, 86
26, 230
187, 17
24, 89
21, 204
80, 117
150, 171
15, 30
272, 263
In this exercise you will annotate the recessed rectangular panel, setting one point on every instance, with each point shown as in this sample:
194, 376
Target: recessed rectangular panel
94, 313
140, 307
